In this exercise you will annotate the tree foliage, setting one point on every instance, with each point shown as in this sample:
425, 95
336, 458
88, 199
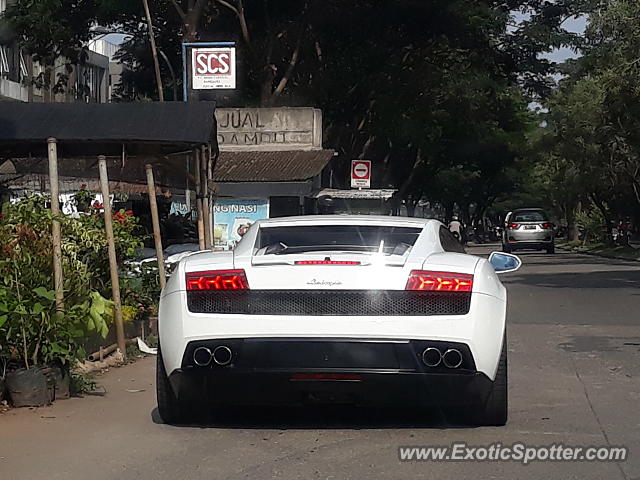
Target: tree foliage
594, 120
435, 92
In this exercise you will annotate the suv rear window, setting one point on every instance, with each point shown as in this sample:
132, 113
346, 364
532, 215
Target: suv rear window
350, 238
528, 216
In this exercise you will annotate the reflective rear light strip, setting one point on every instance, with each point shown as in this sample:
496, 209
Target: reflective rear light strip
325, 376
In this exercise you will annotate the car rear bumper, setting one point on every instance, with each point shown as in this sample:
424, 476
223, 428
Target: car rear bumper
531, 239
482, 329
303, 371
524, 244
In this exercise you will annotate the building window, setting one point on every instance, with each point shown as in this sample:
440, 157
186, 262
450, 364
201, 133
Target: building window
11, 63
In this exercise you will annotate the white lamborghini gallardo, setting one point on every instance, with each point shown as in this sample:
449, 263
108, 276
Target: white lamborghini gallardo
345, 309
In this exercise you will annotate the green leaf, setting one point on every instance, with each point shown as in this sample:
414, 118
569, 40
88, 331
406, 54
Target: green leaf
37, 308
44, 293
3, 319
20, 309
56, 348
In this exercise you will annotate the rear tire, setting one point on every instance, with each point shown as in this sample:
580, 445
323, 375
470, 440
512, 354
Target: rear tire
551, 249
495, 411
506, 248
169, 407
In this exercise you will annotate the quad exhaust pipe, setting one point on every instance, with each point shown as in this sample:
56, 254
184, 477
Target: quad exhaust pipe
451, 358
431, 357
221, 355
202, 356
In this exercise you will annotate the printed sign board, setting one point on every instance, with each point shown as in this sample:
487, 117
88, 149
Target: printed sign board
275, 129
360, 173
232, 218
213, 68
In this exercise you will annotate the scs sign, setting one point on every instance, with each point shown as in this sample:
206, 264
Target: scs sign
213, 68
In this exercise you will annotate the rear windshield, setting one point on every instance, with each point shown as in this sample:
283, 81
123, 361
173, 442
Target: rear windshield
529, 216
347, 238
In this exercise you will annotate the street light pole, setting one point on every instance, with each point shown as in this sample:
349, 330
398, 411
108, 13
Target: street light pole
154, 51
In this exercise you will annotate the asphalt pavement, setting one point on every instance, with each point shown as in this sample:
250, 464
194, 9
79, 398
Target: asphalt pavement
574, 353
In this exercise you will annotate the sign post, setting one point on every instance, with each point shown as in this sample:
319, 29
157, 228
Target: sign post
211, 66
360, 173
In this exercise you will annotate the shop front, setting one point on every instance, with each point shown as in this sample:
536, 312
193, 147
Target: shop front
270, 163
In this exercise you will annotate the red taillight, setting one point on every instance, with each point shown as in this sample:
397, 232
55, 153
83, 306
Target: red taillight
326, 262
439, 281
547, 225
217, 280
514, 225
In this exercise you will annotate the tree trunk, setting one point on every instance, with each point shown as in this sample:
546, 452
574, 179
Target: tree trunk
573, 233
606, 218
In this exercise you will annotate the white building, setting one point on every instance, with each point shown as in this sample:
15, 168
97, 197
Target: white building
88, 82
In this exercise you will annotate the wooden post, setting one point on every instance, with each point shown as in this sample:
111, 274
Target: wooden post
207, 151
204, 178
113, 263
54, 188
196, 156
155, 221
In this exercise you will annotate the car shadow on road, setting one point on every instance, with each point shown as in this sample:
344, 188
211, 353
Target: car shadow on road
334, 417
596, 280
537, 258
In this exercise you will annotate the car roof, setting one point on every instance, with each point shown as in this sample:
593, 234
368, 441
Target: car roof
528, 210
375, 220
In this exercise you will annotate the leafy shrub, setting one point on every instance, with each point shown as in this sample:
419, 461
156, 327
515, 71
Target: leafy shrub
590, 223
31, 329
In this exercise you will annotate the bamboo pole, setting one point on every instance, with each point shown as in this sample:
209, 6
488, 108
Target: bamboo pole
204, 178
113, 263
196, 156
155, 221
207, 151
54, 188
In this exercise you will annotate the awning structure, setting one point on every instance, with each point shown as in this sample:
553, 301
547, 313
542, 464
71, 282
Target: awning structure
170, 125
130, 135
284, 166
354, 194
113, 142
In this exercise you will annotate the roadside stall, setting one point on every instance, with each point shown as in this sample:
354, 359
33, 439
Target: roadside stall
167, 144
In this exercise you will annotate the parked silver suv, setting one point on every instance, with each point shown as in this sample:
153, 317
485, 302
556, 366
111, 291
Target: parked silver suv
528, 228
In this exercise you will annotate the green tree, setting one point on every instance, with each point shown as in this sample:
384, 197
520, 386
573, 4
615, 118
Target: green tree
593, 132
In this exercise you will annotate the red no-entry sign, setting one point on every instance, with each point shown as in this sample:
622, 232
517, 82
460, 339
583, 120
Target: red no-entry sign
360, 173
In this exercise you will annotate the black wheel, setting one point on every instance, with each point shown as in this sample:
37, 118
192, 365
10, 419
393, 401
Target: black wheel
506, 248
169, 407
495, 411
551, 249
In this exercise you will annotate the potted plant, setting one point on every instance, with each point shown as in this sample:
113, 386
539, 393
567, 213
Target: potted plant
39, 340
35, 334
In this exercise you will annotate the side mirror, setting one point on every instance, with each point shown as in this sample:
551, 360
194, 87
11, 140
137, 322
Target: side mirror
504, 262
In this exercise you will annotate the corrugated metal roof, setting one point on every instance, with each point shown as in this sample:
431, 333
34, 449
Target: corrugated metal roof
366, 193
40, 183
270, 166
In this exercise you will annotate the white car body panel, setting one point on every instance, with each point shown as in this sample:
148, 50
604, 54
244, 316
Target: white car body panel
482, 329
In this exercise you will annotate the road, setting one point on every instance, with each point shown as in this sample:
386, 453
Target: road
574, 351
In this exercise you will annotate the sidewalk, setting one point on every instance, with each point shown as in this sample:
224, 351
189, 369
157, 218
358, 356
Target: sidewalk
600, 250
